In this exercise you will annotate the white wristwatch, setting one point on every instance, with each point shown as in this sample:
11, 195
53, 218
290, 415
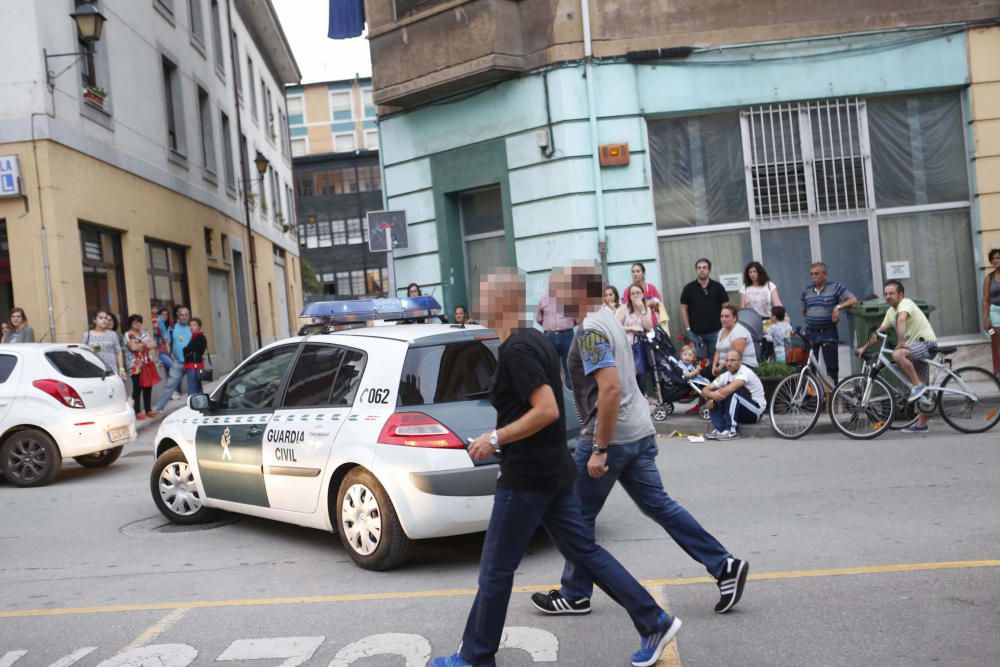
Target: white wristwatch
495, 441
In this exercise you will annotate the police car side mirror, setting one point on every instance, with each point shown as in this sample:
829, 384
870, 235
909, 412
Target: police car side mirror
200, 402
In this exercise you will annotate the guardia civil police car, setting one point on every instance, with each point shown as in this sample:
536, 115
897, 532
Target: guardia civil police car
360, 431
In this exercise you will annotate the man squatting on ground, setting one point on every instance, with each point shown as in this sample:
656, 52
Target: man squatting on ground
535, 487
735, 397
618, 443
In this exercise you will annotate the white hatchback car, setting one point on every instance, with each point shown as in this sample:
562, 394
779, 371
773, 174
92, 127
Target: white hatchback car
58, 401
361, 432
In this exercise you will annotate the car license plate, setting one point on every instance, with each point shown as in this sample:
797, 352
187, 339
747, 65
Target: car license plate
118, 434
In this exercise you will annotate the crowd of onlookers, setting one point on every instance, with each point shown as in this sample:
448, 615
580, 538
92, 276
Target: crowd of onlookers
176, 347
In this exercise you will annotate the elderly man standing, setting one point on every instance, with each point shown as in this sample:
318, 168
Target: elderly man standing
535, 488
735, 397
821, 305
618, 444
557, 327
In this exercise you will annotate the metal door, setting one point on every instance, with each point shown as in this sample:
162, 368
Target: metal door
221, 342
280, 302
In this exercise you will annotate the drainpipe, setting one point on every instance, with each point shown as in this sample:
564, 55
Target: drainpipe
244, 169
43, 237
588, 57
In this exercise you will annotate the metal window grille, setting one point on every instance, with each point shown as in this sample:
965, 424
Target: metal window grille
806, 159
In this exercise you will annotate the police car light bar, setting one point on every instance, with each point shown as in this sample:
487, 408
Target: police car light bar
364, 310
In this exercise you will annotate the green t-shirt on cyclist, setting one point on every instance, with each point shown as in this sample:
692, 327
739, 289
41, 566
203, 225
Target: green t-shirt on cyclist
917, 326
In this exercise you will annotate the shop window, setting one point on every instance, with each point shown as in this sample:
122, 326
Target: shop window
918, 150
103, 272
698, 171
165, 264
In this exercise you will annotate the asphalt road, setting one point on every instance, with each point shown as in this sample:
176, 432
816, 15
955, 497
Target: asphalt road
884, 552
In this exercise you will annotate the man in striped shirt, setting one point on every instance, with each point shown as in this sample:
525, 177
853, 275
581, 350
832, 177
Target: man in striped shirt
821, 305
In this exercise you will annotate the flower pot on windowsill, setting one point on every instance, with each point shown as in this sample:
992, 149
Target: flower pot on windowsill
95, 97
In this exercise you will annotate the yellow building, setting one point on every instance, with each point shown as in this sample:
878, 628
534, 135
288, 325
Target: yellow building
129, 175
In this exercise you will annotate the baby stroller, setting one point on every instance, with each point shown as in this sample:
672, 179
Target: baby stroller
668, 377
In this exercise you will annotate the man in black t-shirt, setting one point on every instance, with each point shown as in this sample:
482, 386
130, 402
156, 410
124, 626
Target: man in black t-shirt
702, 300
535, 487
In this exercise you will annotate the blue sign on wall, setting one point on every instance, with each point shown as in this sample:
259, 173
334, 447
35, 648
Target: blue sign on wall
10, 176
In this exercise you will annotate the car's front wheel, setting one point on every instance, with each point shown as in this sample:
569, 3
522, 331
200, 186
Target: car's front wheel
175, 491
100, 459
367, 523
30, 458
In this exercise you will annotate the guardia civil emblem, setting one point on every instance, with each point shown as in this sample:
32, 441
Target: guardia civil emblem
226, 439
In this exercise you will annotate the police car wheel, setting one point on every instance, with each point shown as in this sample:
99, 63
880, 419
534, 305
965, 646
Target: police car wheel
367, 523
174, 490
30, 458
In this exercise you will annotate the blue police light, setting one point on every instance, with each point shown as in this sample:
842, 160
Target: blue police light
365, 310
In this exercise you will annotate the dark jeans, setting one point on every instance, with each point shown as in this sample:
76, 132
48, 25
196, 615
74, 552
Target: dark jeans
831, 355
194, 380
515, 518
633, 465
138, 390
738, 408
561, 340
705, 345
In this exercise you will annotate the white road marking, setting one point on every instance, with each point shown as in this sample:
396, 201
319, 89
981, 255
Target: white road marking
10, 657
414, 649
541, 645
157, 655
74, 657
155, 630
294, 650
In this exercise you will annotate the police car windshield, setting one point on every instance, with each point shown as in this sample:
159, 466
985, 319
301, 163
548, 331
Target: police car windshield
448, 373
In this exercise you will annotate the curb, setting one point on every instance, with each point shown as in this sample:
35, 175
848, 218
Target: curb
692, 425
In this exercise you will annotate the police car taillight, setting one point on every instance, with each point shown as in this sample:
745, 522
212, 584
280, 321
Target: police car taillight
415, 429
60, 391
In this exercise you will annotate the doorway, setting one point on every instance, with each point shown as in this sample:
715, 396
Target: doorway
222, 327
483, 238
242, 317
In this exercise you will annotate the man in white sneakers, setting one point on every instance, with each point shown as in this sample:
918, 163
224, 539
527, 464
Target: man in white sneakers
735, 397
618, 443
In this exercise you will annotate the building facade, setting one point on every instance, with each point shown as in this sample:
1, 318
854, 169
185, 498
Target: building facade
866, 136
334, 140
137, 184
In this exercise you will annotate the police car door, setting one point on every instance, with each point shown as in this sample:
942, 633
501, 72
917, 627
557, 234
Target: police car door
301, 434
229, 439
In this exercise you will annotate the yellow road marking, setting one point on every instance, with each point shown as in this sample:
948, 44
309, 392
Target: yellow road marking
468, 592
671, 656
155, 630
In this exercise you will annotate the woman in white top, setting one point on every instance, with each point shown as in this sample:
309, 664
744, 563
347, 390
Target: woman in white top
733, 336
757, 291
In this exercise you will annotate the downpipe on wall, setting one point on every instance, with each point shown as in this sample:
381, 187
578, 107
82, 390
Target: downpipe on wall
588, 58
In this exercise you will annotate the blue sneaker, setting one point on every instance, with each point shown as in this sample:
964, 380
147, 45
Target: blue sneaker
916, 393
654, 643
915, 428
456, 660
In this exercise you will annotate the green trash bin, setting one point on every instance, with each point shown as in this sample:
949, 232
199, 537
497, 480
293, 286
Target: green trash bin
865, 317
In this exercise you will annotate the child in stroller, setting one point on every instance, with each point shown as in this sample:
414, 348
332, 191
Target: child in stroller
675, 380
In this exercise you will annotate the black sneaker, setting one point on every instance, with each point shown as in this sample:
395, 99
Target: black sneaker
731, 583
557, 604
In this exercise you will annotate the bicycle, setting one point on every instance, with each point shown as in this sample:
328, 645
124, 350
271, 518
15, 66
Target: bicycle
863, 406
798, 399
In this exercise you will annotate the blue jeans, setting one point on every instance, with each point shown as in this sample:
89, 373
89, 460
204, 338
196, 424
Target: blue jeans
194, 380
173, 383
515, 518
738, 408
634, 466
167, 360
705, 344
562, 340
831, 355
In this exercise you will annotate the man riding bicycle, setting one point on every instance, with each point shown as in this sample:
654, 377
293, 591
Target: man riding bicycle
916, 341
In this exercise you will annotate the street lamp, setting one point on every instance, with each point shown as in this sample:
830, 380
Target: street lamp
261, 162
89, 25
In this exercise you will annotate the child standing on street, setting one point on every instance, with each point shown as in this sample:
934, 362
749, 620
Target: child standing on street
194, 355
780, 331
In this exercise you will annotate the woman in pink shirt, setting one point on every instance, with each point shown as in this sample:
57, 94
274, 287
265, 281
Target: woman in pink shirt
649, 291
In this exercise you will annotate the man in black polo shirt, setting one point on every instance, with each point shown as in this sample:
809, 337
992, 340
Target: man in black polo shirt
535, 487
701, 305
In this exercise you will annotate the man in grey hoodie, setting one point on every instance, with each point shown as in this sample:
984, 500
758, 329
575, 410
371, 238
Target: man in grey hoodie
618, 443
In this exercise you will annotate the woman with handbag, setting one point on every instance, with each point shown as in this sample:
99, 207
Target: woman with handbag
139, 349
194, 356
637, 318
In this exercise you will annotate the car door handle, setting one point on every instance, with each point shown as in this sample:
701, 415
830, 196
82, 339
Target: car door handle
319, 433
255, 430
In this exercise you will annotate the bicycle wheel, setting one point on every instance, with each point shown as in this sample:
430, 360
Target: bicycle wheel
906, 413
967, 414
795, 406
858, 414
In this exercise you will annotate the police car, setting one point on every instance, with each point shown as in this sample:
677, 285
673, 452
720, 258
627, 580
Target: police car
361, 432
